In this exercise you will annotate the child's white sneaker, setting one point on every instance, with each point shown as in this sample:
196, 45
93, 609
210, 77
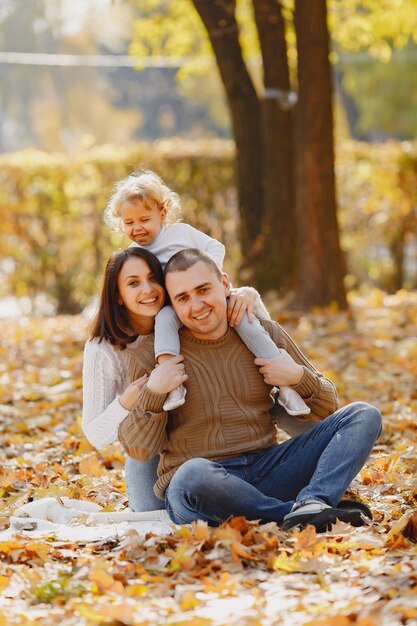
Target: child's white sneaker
175, 398
292, 402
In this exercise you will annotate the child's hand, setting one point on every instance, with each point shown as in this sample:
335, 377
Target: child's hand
167, 376
130, 395
241, 301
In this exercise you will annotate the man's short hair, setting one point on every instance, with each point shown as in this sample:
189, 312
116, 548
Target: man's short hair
184, 259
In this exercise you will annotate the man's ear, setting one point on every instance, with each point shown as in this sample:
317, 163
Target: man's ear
226, 284
163, 215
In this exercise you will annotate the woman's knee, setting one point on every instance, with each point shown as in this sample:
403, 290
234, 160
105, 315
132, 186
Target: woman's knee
140, 478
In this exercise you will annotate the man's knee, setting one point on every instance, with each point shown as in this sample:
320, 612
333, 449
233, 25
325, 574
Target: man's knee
368, 415
192, 476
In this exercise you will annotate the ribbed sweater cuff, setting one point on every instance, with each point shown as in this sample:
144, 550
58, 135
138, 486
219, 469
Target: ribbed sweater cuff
307, 385
119, 412
151, 401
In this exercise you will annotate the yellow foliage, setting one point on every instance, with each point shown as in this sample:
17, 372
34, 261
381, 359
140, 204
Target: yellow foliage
285, 563
63, 197
245, 566
4, 582
111, 613
188, 601
92, 466
105, 582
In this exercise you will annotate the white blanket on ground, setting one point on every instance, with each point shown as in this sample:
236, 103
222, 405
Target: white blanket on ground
68, 519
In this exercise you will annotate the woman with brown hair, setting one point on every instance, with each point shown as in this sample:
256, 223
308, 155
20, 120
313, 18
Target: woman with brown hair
132, 294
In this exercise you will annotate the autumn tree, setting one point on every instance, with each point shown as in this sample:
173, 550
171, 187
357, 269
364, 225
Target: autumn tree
278, 220
261, 127
262, 120
321, 267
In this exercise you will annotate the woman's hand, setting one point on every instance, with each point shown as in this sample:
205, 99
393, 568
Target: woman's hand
130, 395
167, 376
241, 301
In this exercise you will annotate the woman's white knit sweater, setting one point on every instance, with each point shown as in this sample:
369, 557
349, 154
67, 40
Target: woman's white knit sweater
107, 371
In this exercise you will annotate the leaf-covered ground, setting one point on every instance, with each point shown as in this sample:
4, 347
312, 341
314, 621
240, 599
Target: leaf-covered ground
241, 573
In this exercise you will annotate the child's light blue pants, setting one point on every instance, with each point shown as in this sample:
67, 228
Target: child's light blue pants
253, 335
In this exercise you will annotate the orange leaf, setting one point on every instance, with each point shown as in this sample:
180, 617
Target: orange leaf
240, 550
331, 620
227, 534
105, 582
189, 601
306, 541
92, 466
201, 530
225, 585
399, 526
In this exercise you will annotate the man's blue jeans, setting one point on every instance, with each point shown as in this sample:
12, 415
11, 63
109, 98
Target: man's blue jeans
318, 464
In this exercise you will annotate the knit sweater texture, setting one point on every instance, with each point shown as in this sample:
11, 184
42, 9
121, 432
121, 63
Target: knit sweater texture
226, 408
107, 371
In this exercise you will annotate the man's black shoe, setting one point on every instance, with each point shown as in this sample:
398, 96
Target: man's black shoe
356, 504
349, 511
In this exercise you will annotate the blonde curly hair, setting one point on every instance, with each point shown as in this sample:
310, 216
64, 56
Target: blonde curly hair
149, 188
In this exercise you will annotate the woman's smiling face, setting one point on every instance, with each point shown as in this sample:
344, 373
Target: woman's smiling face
139, 291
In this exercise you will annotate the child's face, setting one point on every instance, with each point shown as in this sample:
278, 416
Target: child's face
141, 224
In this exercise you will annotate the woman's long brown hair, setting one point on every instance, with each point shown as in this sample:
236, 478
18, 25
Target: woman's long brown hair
111, 322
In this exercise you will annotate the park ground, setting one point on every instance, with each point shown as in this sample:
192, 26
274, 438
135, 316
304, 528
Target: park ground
241, 573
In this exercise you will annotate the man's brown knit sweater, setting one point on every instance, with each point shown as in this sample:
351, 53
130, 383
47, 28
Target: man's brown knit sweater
226, 409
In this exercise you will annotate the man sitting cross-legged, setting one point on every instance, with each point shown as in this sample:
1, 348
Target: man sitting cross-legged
218, 452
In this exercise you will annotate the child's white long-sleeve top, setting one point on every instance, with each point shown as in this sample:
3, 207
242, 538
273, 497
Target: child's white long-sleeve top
179, 236
107, 371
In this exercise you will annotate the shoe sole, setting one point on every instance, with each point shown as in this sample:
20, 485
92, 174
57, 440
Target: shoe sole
324, 520
174, 405
356, 504
292, 412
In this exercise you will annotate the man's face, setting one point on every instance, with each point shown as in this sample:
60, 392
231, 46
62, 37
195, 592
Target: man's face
199, 299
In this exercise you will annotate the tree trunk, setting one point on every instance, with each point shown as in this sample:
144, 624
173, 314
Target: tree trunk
276, 267
218, 17
397, 249
321, 264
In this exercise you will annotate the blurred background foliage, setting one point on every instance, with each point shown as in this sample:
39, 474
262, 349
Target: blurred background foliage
53, 237
54, 241
64, 108
67, 134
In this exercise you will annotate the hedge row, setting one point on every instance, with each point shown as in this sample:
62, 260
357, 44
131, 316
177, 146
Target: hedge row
53, 239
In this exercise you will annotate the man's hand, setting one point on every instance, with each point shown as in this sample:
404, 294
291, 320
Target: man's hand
130, 395
241, 300
167, 376
281, 370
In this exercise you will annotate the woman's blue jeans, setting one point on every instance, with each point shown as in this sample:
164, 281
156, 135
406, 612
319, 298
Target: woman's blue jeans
318, 464
140, 478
